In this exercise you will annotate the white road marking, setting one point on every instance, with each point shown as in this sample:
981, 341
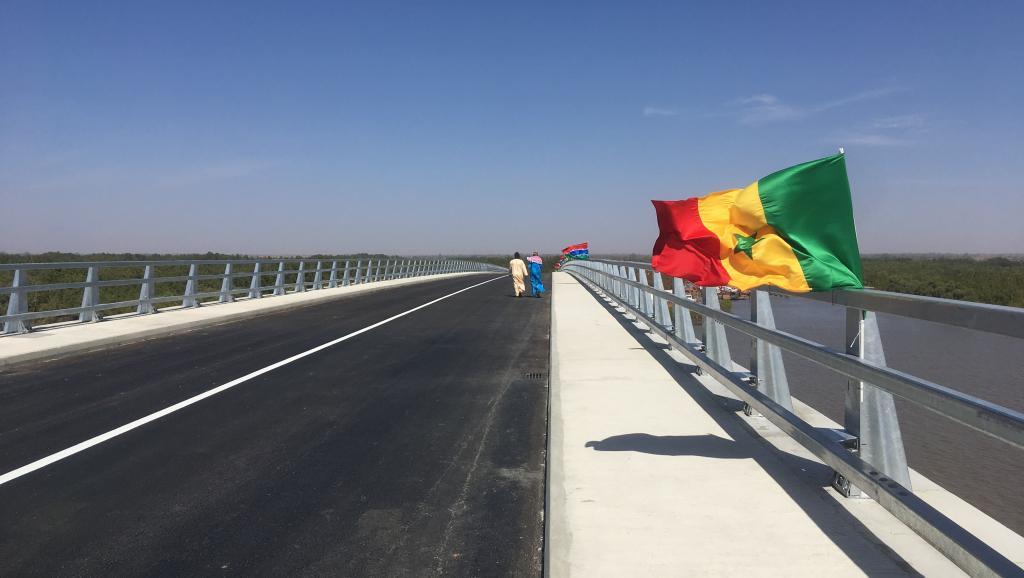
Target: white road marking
79, 447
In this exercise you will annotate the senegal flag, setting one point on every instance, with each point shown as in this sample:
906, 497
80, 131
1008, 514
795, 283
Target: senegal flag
792, 229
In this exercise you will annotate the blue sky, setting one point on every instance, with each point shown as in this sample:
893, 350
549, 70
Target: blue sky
455, 127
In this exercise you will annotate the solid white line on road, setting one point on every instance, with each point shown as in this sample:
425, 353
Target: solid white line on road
42, 463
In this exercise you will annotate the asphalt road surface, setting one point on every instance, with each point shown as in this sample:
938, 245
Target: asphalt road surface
415, 448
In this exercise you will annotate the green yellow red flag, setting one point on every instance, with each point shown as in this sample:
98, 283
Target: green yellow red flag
792, 229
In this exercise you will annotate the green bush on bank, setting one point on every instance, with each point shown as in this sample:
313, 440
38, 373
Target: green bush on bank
997, 280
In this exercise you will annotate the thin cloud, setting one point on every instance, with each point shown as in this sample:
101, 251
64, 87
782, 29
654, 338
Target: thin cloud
905, 122
768, 108
763, 108
855, 98
890, 131
868, 139
658, 111
213, 172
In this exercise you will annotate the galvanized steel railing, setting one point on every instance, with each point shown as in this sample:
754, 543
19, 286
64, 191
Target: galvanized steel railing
867, 455
352, 272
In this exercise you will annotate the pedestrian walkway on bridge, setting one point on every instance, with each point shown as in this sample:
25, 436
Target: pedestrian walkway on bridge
652, 472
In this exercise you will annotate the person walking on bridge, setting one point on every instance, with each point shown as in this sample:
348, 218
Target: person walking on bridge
517, 269
535, 264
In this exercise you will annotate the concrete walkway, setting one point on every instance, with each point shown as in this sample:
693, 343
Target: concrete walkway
62, 339
651, 476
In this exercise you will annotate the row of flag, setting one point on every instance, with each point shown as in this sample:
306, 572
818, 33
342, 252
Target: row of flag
577, 251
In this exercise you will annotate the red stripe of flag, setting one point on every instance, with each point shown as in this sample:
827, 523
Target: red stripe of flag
685, 247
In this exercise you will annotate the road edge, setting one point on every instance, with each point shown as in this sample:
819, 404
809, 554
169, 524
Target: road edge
179, 325
556, 531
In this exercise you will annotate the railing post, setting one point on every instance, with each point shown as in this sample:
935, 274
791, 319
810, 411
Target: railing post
869, 412
345, 275
91, 296
684, 321
620, 287
257, 281
634, 292
17, 305
189, 298
145, 305
333, 281
279, 281
661, 306
646, 299
715, 343
359, 272
766, 367
300, 278
227, 285
318, 277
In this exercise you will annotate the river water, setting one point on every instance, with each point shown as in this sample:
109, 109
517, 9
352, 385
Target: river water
986, 472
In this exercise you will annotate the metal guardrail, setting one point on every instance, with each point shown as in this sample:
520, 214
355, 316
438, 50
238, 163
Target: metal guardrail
352, 272
867, 455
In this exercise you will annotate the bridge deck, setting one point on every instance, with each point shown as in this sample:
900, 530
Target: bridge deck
650, 475
415, 448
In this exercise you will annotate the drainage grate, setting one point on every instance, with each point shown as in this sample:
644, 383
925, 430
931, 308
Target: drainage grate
533, 375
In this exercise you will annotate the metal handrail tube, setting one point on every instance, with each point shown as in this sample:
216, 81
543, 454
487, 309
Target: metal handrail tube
963, 548
76, 310
373, 270
992, 419
998, 319
158, 263
122, 282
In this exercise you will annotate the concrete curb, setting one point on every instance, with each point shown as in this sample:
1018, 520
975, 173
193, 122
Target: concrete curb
557, 536
175, 322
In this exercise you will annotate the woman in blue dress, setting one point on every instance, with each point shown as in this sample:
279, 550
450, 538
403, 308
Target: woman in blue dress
534, 263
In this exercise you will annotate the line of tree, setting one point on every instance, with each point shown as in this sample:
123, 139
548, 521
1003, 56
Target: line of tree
995, 280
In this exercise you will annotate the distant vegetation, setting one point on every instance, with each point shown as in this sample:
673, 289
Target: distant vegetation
67, 298
996, 280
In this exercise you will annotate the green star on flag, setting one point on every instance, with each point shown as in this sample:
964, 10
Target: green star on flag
746, 244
